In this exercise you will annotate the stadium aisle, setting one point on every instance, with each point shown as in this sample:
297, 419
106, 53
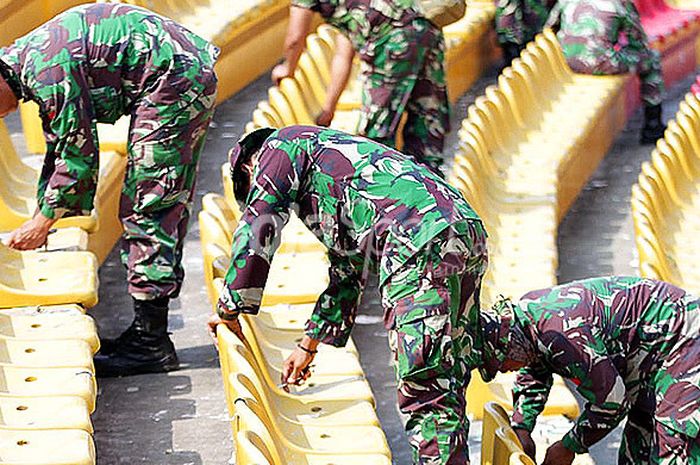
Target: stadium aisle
181, 419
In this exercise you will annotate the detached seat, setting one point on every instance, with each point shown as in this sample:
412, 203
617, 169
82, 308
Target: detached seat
47, 278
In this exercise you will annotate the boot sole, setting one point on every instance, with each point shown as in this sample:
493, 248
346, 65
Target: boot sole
107, 371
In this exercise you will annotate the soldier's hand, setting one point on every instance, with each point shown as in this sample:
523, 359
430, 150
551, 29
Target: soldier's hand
296, 368
325, 118
557, 454
280, 72
526, 441
235, 327
32, 234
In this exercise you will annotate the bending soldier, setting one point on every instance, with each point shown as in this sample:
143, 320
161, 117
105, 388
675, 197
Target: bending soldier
606, 37
629, 344
95, 63
402, 55
374, 209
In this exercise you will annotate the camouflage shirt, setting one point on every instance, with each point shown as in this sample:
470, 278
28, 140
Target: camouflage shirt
96, 63
597, 33
614, 338
365, 22
369, 204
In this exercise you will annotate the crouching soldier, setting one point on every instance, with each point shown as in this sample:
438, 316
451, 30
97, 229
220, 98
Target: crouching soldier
375, 209
95, 63
631, 347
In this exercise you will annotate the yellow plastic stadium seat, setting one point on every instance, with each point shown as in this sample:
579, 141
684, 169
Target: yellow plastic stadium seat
296, 278
258, 442
336, 375
506, 443
495, 417
44, 413
49, 323
45, 354
15, 173
48, 382
227, 215
236, 360
36, 278
560, 402
113, 138
288, 339
332, 441
283, 107
520, 458
51, 447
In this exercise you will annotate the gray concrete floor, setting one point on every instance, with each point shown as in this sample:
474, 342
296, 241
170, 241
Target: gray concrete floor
181, 419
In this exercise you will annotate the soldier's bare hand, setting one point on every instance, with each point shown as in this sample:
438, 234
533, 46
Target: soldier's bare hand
295, 369
235, 327
280, 72
557, 454
32, 234
526, 441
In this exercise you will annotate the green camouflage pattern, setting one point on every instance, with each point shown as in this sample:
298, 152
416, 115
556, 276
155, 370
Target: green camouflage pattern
365, 22
603, 37
374, 209
631, 346
95, 63
430, 300
519, 21
407, 76
403, 71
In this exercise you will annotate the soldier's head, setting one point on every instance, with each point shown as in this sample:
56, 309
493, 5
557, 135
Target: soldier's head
501, 344
8, 95
243, 158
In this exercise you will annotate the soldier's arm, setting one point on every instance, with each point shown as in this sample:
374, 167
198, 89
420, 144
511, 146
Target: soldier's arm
582, 356
530, 394
341, 67
68, 179
300, 17
274, 188
334, 314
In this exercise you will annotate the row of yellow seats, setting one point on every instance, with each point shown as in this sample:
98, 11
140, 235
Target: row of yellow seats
299, 99
47, 385
18, 198
525, 156
666, 202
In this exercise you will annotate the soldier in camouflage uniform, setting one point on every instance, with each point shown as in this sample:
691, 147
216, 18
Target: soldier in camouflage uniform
631, 347
606, 37
95, 63
518, 22
402, 56
374, 209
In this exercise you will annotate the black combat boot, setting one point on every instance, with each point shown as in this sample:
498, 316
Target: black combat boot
511, 51
144, 347
653, 128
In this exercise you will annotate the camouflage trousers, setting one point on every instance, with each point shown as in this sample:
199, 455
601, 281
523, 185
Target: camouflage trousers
519, 21
405, 74
158, 191
663, 424
427, 305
